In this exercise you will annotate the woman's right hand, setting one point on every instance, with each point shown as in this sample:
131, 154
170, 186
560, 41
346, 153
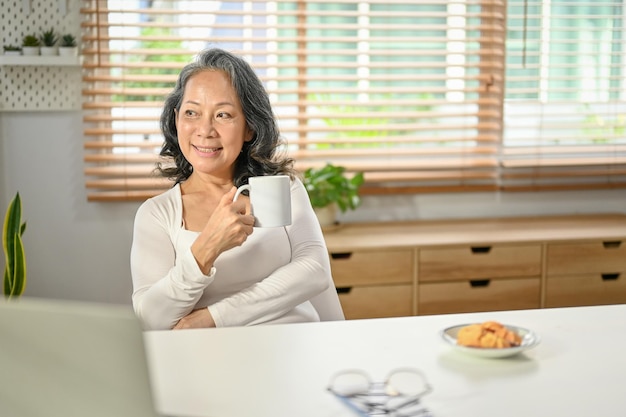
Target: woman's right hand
229, 226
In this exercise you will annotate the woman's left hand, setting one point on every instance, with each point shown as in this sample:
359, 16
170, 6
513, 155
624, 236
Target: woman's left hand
197, 319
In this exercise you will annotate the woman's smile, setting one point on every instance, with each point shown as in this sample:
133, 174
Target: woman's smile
206, 151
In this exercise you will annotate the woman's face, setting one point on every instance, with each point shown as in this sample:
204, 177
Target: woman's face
211, 125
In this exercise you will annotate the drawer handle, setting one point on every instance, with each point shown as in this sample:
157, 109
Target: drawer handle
481, 249
344, 290
612, 244
476, 283
341, 255
610, 277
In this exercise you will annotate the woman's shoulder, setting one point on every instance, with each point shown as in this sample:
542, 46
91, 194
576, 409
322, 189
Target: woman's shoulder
168, 196
296, 181
165, 205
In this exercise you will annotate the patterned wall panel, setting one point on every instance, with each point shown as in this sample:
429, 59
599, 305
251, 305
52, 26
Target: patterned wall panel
38, 87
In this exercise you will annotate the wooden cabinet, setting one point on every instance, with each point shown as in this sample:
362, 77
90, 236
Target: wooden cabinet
437, 267
375, 301
374, 283
367, 267
490, 295
479, 278
586, 257
586, 273
453, 263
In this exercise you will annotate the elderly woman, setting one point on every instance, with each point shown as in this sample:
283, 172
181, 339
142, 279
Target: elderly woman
196, 260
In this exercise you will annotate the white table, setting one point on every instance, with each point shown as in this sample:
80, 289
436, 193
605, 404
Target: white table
578, 369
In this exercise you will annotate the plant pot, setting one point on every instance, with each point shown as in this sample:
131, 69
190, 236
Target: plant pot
49, 51
68, 50
13, 53
30, 50
327, 216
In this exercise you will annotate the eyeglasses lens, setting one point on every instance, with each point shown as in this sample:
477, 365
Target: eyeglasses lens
350, 383
406, 382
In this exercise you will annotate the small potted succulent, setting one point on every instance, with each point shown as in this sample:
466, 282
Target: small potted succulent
48, 40
68, 46
12, 50
31, 45
330, 189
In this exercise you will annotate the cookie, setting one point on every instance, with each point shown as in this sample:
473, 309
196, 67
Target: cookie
489, 334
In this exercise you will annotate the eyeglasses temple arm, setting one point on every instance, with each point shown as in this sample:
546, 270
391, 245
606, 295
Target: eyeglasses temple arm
350, 404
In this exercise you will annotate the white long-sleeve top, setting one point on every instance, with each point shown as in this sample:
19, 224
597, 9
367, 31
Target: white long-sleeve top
268, 279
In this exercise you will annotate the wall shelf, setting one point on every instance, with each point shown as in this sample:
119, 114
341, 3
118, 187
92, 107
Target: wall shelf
45, 61
42, 82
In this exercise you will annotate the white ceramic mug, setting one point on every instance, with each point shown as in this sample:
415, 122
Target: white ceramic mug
270, 200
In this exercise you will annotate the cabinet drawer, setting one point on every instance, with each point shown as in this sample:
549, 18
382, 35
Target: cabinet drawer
491, 295
377, 301
372, 267
479, 262
586, 289
580, 258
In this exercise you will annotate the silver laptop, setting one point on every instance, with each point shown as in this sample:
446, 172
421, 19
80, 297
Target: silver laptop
64, 359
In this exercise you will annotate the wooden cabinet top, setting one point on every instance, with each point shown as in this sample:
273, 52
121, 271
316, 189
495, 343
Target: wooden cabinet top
353, 236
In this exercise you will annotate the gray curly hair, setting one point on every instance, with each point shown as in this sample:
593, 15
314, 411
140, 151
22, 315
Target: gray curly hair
260, 155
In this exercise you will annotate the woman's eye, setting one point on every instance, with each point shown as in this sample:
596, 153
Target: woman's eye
189, 113
223, 115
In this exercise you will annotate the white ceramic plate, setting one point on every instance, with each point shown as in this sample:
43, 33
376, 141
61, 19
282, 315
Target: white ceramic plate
529, 340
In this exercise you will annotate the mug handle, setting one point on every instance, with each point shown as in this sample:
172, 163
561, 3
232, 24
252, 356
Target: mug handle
240, 190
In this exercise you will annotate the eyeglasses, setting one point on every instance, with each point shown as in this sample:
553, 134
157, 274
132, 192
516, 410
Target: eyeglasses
397, 396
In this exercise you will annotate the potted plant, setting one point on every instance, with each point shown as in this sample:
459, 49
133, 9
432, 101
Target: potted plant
329, 189
15, 268
68, 45
12, 50
48, 41
31, 45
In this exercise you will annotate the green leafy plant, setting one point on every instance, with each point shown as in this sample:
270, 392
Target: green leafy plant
11, 48
68, 41
330, 184
49, 38
12, 231
31, 40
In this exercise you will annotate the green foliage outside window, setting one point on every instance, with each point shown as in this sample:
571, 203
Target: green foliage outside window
365, 126
602, 129
153, 69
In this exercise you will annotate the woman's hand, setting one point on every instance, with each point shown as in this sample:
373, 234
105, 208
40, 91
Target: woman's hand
229, 226
200, 318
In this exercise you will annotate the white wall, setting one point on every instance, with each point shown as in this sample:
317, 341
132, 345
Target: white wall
74, 249
80, 250
477, 205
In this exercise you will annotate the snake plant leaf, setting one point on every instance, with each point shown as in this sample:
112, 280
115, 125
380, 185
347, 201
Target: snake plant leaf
11, 225
19, 273
15, 269
6, 282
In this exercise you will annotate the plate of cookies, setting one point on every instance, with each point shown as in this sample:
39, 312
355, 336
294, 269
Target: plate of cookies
490, 339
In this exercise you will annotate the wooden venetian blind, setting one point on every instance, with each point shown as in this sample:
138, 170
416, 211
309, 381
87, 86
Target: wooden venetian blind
408, 92
565, 115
